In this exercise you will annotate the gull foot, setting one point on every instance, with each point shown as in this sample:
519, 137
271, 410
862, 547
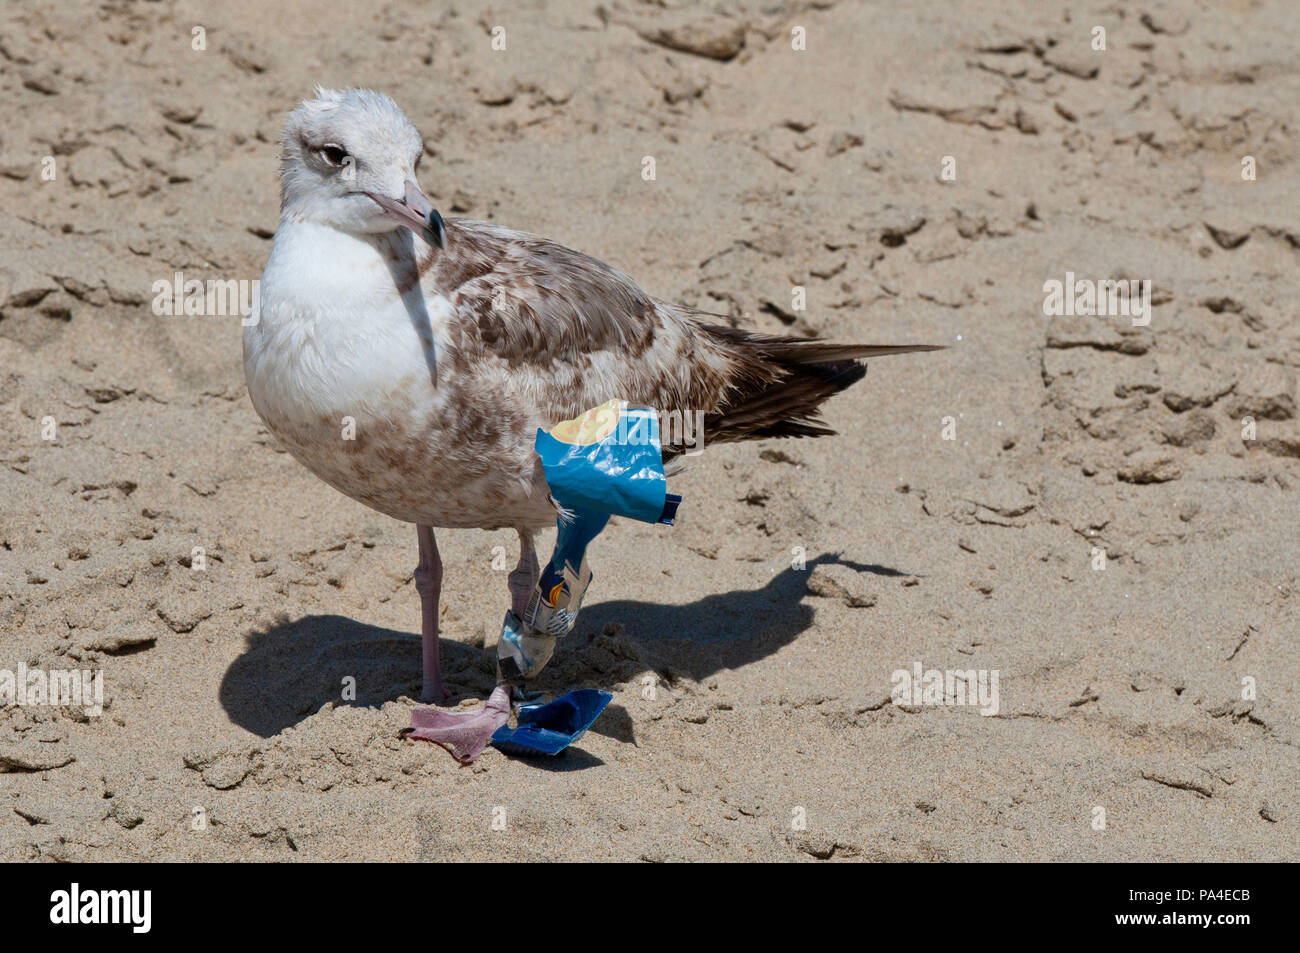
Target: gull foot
463, 733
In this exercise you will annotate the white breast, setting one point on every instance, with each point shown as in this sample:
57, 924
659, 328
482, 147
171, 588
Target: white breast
333, 337
342, 371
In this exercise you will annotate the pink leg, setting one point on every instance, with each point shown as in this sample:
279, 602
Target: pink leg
464, 733
525, 576
428, 581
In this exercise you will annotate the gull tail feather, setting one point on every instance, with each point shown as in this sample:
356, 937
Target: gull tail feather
782, 382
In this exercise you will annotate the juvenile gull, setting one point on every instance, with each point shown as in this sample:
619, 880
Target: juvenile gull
448, 344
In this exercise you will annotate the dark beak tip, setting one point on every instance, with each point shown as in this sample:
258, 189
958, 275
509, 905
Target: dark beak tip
436, 229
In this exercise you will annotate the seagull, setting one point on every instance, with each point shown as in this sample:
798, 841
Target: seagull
409, 361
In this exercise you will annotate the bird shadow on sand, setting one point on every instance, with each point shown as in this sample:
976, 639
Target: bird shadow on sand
290, 669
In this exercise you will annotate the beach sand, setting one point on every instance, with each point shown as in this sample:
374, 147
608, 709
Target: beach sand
1145, 711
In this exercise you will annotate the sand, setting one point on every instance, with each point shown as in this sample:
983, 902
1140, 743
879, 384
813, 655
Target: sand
1146, 711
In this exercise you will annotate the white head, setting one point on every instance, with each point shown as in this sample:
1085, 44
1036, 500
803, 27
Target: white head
349, 161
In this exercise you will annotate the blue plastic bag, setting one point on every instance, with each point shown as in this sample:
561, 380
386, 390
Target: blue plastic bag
609, 460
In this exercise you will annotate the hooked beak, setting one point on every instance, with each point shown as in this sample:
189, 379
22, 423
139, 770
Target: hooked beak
416, 213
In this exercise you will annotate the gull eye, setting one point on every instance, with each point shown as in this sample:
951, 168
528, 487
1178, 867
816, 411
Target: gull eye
333, 154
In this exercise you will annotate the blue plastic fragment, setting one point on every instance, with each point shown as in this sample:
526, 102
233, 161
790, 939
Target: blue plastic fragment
671, 502
550, 728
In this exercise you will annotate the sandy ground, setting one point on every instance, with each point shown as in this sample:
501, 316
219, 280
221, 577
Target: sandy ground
752, 716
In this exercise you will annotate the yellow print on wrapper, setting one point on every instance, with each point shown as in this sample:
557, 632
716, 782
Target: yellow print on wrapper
591, 426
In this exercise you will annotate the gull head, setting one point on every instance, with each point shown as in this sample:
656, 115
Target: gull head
349, 161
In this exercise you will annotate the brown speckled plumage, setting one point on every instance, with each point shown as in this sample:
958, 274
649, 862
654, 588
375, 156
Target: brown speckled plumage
447, 360
528, 333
